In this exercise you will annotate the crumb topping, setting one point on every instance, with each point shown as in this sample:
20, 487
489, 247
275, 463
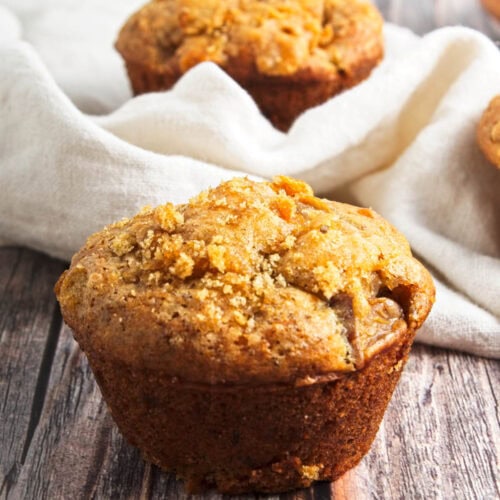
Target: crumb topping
278, 37
247, 282
488, 131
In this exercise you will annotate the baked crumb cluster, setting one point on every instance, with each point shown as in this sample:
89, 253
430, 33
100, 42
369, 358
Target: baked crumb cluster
278, 37
258, 277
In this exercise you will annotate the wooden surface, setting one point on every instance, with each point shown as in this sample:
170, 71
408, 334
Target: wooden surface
440, 437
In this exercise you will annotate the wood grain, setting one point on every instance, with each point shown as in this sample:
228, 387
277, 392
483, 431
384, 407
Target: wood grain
29, 323
440, 435
77, 451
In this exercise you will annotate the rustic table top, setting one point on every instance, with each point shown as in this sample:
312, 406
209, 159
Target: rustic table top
439, 438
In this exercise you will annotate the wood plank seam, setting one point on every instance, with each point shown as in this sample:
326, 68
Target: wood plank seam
493, 393
322, 491
9, 480
43, 379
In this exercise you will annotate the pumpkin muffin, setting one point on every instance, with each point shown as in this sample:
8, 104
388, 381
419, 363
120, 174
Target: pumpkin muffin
492, 6
488, 132
250, 339
290, 55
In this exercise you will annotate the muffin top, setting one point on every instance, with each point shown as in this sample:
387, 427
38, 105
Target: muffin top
273, 37
249, 282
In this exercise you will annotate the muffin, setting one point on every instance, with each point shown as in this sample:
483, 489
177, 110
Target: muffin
290, 55
492, 6
250, 339
488, 132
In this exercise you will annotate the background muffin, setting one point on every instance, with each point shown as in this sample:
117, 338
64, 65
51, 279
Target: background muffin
250, 339
493, 6
488, 132
289, 55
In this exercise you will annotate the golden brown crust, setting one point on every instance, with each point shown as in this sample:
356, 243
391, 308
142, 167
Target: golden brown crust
488, 132
248, 283
272, 49
250, 339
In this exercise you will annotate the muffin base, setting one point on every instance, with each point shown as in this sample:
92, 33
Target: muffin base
281, 99
239, 439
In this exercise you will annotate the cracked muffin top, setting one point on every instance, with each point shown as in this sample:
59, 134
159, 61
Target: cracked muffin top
249, 282
274, 37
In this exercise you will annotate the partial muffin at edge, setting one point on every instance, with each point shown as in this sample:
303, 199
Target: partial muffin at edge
197, 318
488, 132
492, 6
289, 55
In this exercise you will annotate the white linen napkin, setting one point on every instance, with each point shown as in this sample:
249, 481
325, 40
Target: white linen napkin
402, 142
